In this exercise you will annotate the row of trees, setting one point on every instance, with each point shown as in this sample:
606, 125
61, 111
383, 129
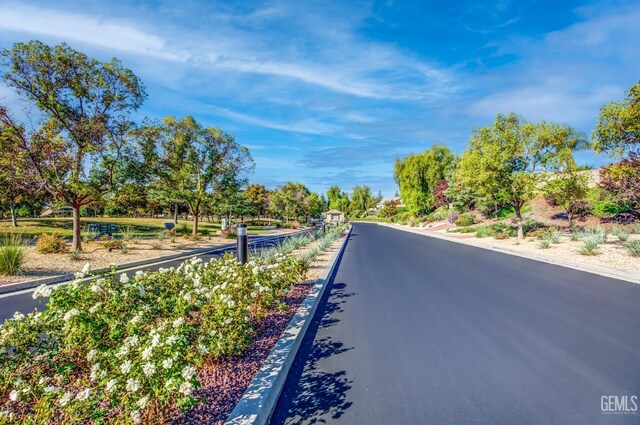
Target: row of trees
507, 163
79, 147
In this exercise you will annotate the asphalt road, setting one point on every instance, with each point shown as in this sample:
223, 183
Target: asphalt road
417, 330
23, 301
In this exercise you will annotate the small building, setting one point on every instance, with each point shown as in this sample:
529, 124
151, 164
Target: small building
333, 216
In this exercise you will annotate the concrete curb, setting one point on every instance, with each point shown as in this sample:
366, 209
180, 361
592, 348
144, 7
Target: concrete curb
260, 398
30, 284
587, 268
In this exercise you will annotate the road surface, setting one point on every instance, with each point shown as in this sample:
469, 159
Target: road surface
417, 330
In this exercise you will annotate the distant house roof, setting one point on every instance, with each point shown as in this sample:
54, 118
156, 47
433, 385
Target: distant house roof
333, 212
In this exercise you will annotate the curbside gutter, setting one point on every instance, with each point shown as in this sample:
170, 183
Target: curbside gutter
30, 284
260, 398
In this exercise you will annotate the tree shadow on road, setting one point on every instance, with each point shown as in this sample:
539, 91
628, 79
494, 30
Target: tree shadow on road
312, 395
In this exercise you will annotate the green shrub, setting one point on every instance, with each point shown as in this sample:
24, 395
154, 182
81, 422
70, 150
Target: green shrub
97, 349
636, 229
484, 232
51, 244
439, 214
544, 243
465, 220
634, 248
184, 229
204, 232
603, 203
161, 235
12, 255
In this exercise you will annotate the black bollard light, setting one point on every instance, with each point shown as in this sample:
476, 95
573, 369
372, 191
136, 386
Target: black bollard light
242, 243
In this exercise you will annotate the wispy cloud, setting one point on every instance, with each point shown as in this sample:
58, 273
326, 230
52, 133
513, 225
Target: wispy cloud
76, 27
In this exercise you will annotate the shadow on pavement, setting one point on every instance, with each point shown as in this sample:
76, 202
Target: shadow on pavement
312, 395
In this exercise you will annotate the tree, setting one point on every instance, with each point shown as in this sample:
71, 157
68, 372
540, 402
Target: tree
258, 197
316, 205
501, 160
618, 129
80, 100
192, 161
338, 200
418, 174
389, 209
568, 190
334, 195
622, 180
361, 198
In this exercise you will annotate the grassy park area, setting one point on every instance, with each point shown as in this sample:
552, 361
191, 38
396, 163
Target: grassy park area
140, 226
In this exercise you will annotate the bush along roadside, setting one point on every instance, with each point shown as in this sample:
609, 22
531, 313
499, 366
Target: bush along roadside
127, 349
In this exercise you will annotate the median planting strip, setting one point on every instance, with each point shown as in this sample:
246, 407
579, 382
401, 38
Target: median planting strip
30, 284
258, 401
167, 340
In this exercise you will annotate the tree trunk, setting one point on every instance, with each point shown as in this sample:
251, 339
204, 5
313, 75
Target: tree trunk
519, 218
14, 219
77, 242
175, 213
194, 231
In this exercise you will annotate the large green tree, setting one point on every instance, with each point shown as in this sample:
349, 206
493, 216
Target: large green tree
418, 174
618, 128
502, 161
258, 197
618, 133
192, 161
80, 101
361, 198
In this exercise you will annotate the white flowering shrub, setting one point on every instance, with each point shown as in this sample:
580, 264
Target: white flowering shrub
126, 349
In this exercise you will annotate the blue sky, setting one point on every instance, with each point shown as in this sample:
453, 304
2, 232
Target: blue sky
332, 92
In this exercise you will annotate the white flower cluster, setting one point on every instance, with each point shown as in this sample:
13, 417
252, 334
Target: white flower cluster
42, 291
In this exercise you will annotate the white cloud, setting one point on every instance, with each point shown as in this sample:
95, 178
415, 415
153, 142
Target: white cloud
341, 62
76, 27
306, 126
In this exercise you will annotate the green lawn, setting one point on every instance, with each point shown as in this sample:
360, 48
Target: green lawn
141, 226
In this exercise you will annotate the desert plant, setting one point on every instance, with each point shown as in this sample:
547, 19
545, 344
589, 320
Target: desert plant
636, 229
51, 244
128, 233
124, 249
620, 233
161, 235
156, 246
75, 255
590, 245
544, 243
89, 235
634, 248
12, 255
110, 243
552, 235
308, 257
